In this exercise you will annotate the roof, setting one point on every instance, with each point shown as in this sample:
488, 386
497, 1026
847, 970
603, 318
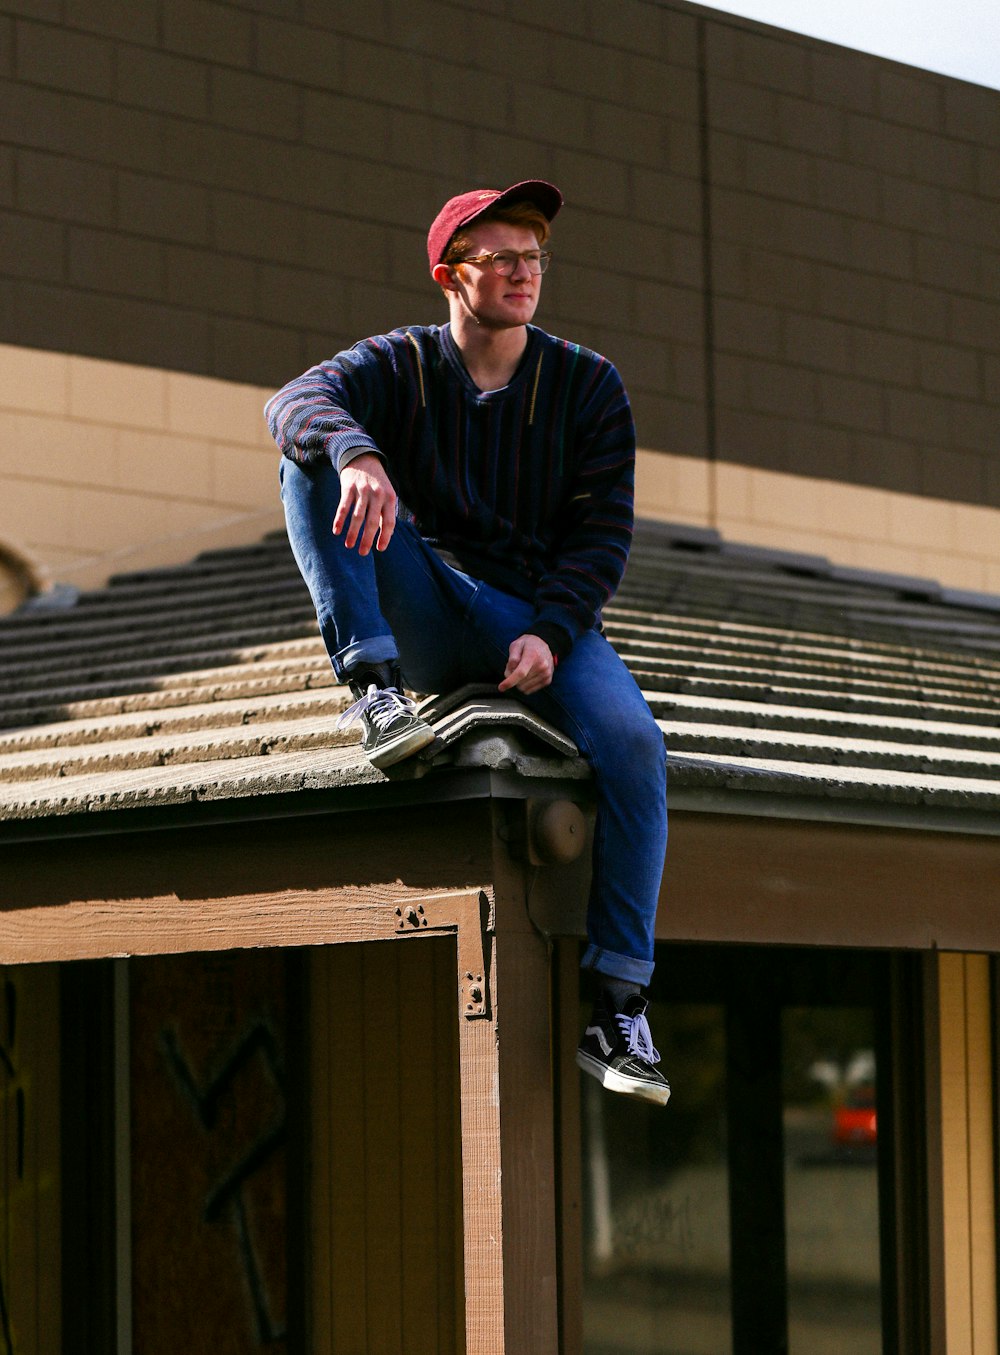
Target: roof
783, 684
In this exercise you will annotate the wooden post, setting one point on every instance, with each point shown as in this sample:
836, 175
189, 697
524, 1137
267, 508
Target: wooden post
570, 1194
964, 1110
508, 1156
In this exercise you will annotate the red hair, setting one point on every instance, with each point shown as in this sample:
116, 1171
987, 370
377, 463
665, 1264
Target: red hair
524, 214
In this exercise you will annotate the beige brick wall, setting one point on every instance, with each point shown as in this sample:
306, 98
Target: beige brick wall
107, 466
954, 544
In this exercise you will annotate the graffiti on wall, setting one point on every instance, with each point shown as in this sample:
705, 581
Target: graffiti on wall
209, 1097
227, 1193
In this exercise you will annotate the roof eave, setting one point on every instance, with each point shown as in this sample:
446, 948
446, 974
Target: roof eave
740, 791
445, 786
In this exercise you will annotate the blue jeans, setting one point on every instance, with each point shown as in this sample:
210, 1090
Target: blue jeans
447, 629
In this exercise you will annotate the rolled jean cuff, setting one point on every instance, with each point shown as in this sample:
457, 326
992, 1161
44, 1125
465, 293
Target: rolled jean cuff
379, 649
614, 966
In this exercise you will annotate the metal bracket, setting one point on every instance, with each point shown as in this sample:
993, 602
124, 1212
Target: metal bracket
410, 918
472, 995
471, 919
475, 947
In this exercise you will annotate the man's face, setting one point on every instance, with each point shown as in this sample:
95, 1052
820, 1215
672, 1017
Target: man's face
493, 301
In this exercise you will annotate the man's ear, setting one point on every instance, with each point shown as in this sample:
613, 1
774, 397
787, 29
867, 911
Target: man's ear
444, 275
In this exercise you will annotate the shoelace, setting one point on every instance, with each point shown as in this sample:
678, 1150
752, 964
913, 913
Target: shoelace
380, 704
639, 1036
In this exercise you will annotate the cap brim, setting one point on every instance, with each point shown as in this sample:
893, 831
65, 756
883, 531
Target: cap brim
545, 196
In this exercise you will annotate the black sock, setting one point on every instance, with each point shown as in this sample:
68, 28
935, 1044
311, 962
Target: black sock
380, 674
619, 990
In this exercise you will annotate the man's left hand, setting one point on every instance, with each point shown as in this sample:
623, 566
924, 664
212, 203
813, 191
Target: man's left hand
530, 665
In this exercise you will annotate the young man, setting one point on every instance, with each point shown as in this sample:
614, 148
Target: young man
513, 453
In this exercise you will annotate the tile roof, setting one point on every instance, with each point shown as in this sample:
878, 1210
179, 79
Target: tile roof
783, 684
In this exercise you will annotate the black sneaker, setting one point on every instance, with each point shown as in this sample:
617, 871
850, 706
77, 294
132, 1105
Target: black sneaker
617, 1049
392, 729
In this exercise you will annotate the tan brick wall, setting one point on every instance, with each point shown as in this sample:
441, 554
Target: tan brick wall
108, 466
955, 544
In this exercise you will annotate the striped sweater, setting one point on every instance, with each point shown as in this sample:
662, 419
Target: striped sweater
529, 487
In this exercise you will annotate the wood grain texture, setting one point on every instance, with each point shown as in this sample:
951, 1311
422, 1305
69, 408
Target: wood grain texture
788, 882
481, 1185
785, 882
386, 1164
566, 1033
245, 885
164, 926
449, 1274
967, 1166
508, 1132
982, 1154
381, 1239
29, 1160
351, 1141
528, 1146
420, 1148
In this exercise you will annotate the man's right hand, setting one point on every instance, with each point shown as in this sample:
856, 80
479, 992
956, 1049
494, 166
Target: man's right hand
367, 504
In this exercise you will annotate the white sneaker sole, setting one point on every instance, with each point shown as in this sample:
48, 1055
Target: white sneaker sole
403, 747
615, 1082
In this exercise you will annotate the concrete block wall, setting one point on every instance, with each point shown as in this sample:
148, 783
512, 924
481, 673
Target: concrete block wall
882, 529
107, 466
790, 250
855, 266
238, 189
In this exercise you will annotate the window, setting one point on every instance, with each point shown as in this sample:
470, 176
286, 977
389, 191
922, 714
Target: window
755, 1214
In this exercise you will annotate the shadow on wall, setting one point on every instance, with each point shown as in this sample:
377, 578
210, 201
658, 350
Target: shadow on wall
19, 579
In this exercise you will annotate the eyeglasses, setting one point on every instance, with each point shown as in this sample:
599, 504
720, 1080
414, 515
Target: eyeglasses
504, 261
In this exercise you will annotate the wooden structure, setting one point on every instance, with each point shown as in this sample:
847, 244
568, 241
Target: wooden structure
834, 784
269, 887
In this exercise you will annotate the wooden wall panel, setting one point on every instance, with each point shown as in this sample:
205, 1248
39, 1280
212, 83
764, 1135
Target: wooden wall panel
418, 1164
375, 1027
778, 881
319, 1191
967, 1161
448, 1184
795, 882
30, 1197
209, 1136
342, 1141
296, 882
385, 1229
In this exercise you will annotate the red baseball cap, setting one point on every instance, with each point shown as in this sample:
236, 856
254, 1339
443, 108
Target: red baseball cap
465, 209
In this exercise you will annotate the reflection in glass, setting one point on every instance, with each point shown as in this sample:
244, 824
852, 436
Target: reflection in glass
831, 1181
656, 1230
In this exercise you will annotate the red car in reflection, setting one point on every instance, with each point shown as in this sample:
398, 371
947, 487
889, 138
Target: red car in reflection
854, 1123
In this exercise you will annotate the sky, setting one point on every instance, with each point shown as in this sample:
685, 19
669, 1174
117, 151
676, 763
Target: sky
958, 37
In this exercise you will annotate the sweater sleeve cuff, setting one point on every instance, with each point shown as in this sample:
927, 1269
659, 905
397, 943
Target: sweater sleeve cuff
558, 640
343, 456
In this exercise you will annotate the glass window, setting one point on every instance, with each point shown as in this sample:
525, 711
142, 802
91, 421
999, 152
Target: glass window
745, 1216
656, 1239
831, 1181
